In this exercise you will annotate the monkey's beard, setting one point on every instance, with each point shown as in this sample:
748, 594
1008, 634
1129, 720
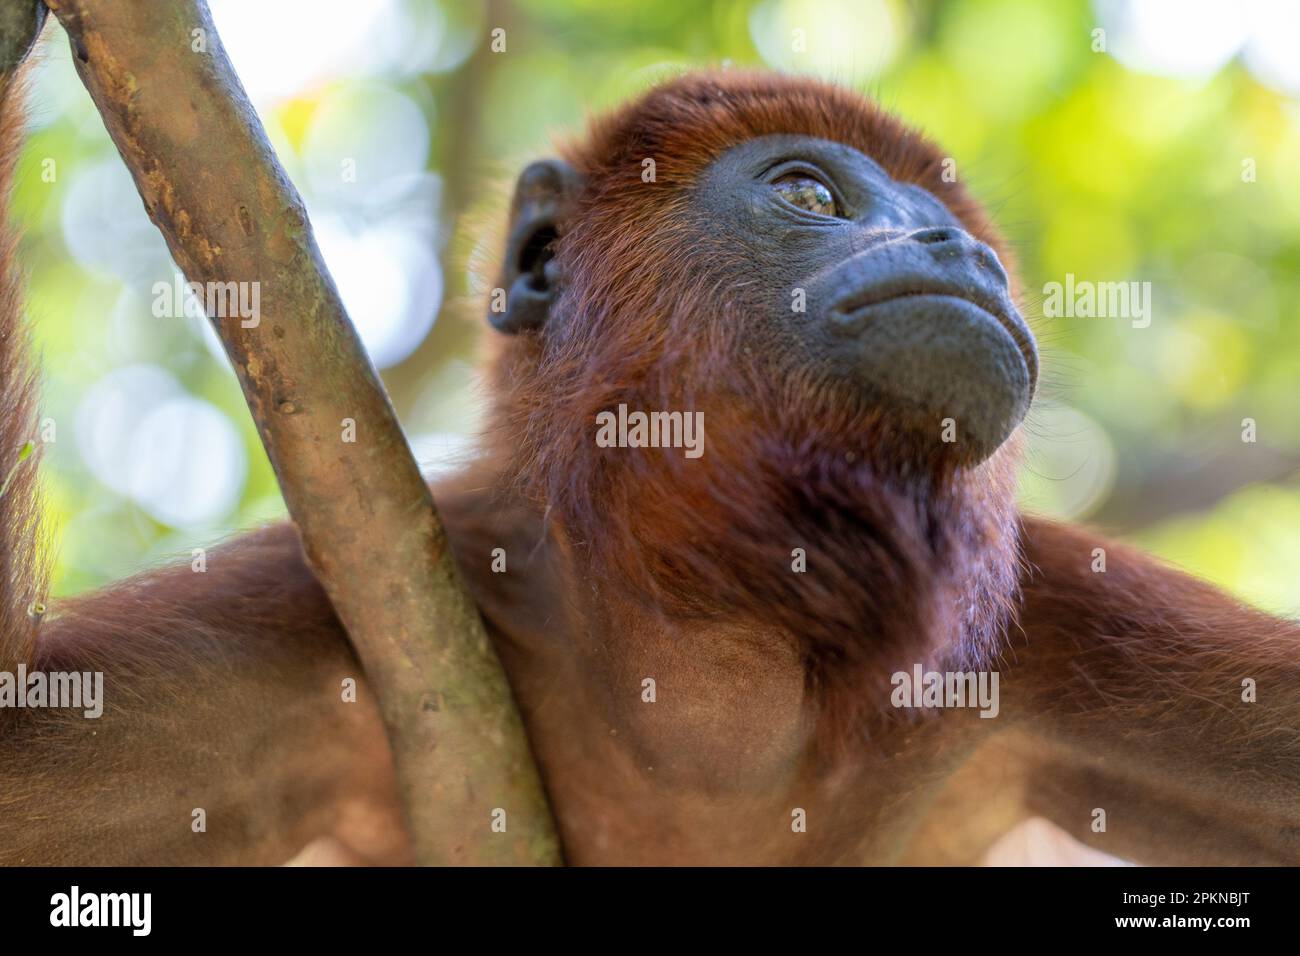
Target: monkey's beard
807, 513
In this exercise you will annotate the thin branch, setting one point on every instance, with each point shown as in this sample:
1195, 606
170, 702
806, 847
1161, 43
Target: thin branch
1180, 484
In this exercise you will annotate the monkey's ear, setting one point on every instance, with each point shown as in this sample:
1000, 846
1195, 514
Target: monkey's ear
530, 275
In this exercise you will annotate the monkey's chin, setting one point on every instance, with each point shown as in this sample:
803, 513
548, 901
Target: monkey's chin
949, 370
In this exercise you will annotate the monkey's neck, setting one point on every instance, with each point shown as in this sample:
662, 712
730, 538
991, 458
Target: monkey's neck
863, 577
869, 578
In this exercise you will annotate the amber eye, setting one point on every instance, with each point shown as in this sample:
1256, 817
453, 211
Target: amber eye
801, 190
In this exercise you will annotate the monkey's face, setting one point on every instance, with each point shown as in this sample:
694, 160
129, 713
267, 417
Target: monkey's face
871, 287
790, 273
780, 254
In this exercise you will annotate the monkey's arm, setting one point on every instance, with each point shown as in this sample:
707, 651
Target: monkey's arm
222, 692
1130, 691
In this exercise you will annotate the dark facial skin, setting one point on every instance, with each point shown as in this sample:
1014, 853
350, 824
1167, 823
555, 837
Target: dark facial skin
901, 303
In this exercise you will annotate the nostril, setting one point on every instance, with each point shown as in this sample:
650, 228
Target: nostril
935, 235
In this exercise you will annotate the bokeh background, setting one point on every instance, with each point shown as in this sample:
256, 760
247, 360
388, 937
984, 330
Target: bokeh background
1117, 164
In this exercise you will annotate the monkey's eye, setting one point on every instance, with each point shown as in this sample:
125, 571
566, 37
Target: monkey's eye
804, 192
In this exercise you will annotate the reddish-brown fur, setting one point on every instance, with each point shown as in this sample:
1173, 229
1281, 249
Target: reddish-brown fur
223, 688
650, 317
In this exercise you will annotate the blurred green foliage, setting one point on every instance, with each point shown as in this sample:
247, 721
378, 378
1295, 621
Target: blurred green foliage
1093, 166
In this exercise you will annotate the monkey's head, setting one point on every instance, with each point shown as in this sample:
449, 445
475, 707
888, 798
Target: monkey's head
803, 269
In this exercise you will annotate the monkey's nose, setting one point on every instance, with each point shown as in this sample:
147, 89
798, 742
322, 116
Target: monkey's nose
951, 241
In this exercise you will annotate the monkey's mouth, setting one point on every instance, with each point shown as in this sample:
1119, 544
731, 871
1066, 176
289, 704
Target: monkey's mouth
955, 366
856, 313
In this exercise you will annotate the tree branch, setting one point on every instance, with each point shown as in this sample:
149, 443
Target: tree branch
211, 183
1148, 493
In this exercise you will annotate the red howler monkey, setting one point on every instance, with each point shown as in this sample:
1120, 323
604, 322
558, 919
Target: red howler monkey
798, 271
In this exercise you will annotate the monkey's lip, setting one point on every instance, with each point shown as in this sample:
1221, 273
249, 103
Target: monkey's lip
853, 314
